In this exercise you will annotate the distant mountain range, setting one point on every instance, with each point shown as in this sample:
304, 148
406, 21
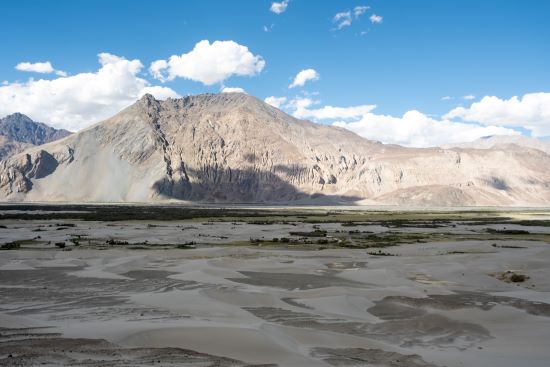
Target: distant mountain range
234, 148
489, 142
18, 132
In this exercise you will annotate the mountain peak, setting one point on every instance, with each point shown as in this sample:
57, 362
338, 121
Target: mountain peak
147, 98
17, 116
20, 128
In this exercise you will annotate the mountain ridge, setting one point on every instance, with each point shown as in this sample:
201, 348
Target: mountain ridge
21, 128
488, 142
18, 132
234, 148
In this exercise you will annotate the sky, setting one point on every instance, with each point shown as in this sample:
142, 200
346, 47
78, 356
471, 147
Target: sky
411, 72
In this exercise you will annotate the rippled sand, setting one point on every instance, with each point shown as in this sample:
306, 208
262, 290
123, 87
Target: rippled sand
436, 303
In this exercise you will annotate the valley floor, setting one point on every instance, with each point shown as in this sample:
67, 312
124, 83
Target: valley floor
174, 286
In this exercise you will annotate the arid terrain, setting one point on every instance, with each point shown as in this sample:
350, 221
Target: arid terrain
233, 148
101, 285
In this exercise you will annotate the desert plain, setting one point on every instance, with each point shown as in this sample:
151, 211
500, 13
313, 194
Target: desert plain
139, 285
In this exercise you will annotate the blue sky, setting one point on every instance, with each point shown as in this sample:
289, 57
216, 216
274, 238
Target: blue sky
419, 53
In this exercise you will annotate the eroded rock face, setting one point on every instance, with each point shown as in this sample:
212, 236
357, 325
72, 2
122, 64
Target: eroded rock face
10, 147
232, 147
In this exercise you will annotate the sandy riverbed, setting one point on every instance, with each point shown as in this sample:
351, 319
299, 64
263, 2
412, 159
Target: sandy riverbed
435, 304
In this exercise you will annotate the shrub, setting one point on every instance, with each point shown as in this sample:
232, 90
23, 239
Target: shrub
517, 278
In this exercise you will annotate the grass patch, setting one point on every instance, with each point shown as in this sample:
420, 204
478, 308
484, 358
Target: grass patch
10, 246
315, 233
381, 253
187, 246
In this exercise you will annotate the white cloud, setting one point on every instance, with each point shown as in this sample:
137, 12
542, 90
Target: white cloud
157, 68
276, 102
303, 76
446, 98
345, 18
360, 10
342, 19
279, 8
209, 63
532, 111
469, 97
376, 19
233, 90
302, 110
39, 67
79, 100
418, 130
412, 129
157, 91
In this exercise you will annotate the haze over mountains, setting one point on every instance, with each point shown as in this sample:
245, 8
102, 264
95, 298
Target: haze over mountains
493, 141
234, 148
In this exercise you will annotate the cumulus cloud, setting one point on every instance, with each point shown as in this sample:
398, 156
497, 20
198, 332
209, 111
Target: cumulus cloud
418, 130
412, 129
303, 76
77, 101
532, 111
209, 63
280, 7
376, 19
446, 98
233, 90
276, 102
39, 67
342, 19
469, 97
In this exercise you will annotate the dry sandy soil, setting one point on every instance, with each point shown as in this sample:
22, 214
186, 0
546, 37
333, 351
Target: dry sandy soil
222, 299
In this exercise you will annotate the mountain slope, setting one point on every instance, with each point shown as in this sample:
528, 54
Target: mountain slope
234, 148
9, 147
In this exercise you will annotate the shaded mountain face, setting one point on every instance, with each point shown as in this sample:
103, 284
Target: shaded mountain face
231, 147
20, 128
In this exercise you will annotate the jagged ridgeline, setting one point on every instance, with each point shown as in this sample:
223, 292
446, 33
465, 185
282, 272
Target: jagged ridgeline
18, 132
232, 147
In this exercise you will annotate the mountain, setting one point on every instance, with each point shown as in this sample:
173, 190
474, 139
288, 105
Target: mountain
18, 132
232, 147
492, 141
20, 128
9, 147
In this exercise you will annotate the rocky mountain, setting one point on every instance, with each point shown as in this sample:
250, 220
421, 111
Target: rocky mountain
232, 147
18, 132
20, 128
492, 141
9, 147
